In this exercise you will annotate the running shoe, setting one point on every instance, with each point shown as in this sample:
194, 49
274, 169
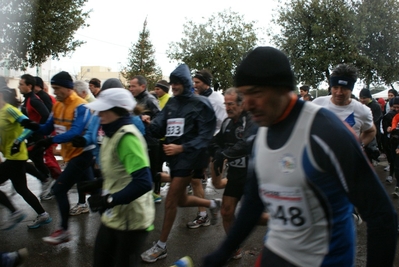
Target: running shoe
358, 220
15, 218
154, 253
215, 211
184, 262
237, 254
40, 220
79, 209
199, 221
389, 179
46, 186
48, 196
189, 189
157, 198
58, 237
395, 193
15, 258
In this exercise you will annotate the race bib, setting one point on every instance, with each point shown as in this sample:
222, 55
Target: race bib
287, 207
238, 163
175, 127
59, 129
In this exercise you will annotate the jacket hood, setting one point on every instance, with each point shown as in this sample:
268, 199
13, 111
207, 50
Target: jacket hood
182, 72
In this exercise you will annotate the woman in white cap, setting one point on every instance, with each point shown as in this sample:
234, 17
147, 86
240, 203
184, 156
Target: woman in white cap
126, 202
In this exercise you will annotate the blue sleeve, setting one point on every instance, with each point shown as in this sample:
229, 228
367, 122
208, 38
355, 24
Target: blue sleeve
26, 132
141, 183
79, 124
91, 131
48, 127
136, 120
364, 188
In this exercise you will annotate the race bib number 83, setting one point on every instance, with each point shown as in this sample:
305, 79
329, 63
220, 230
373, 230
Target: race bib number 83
175, 127
287, 207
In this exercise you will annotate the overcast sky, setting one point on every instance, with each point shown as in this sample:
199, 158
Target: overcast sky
115, 25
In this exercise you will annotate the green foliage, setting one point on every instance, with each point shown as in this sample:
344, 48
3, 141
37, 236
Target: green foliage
217, 45
316, 35
141, 60
319, 34
32, 31
378, 28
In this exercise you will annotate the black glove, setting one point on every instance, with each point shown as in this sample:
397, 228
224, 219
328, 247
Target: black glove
218, 161
90, 187
99, 203
78, 141
15, 147
43, 144
31, 125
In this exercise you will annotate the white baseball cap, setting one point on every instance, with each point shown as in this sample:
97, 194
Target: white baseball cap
113, 97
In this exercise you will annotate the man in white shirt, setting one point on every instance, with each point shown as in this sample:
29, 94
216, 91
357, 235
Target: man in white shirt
357, 115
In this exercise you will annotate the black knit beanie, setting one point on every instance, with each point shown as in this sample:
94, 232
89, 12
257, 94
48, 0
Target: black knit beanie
365, 93
62, 79
39, 82
112, 83
164, 85
266, 66
204, 76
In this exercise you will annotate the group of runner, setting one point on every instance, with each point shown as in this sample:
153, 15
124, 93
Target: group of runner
302, 168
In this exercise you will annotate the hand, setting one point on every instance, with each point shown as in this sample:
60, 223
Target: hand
78, 141
172, 149
43, 144
146, 119
90, 186
15, 147
31, 125
218, 161
99, 203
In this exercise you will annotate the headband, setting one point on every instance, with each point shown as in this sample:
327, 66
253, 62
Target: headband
206, 80
343, 81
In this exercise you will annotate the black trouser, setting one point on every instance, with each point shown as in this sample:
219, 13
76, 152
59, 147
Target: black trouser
116, 248
15, 171
37, 158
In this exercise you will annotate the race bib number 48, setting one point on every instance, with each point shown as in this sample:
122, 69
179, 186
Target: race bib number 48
287, 207
175, 127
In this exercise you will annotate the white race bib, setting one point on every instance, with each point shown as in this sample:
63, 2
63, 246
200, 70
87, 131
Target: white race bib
238, 163
175, 127
287, 207
59, 129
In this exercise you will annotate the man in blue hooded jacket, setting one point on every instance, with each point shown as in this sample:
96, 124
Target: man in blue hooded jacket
188, 123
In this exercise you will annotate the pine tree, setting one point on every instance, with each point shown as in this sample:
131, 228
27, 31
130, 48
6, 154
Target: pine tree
141, 60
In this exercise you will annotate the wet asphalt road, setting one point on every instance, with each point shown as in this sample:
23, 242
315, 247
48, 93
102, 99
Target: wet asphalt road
182, 241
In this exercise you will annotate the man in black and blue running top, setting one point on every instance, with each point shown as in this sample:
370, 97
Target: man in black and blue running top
308, 170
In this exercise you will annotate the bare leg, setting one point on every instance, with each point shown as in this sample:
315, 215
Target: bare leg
229, 205
177, 197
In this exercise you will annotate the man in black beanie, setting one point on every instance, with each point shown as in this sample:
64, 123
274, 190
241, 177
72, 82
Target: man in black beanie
366, 99
45, 97
69, 118
307, 169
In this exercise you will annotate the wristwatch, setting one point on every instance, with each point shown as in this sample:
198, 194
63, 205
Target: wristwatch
109, 199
